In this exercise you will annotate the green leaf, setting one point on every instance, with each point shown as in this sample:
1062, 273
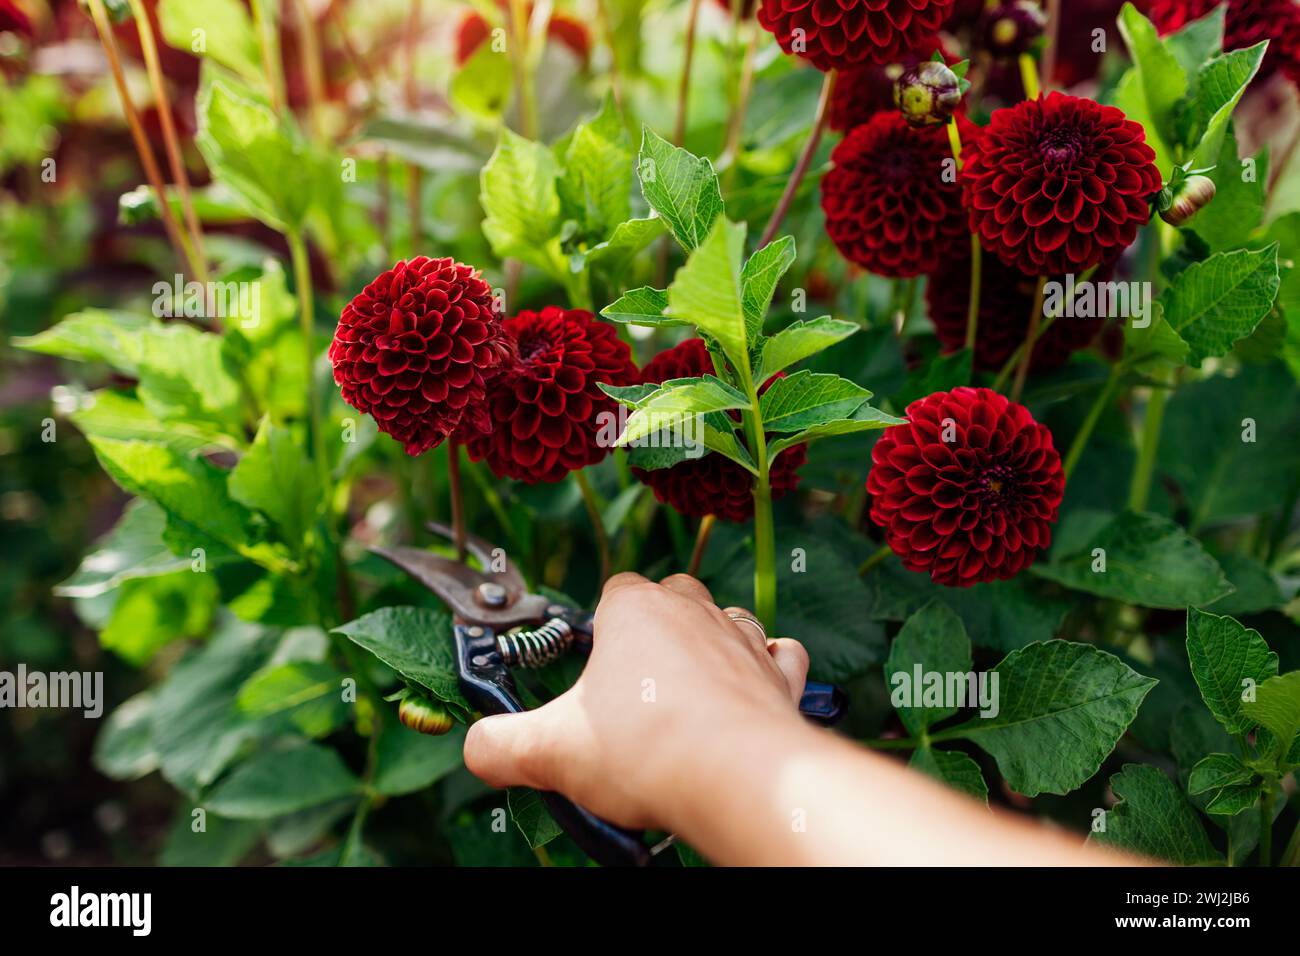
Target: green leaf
680, 187
1277, 707
1063, 707
225, 27
596, 187
865, 419
109, 414
1197, 41
277, 478
481, 87
1154, 819
1215, 303
283, 781
1229, 444
624, 244
302, 696
932, 641
124, 747
643, 306
407, 761
1238, 205
807, 399
133, 549
1224, 656
417, 643
706, 291
953, 768
1153, 87
1149, 561
521, 203
221, 842
92, 335
531, 816
152, 612
270, 167
1216, 771
1231, 801
758, 281
1220, 84
798, 341
676, 400
1256, 588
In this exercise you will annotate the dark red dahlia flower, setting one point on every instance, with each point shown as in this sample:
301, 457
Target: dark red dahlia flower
1058, 184
892, 205
417, 348
473, 30
1006, 299
711, 484
841, 34
968, 489
545, 411
1246, 23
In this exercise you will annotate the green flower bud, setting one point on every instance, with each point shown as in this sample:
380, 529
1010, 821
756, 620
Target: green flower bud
1187, 199
424, 714
138, 206
927, 93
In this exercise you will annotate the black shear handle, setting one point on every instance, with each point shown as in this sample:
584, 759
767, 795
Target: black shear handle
607, 844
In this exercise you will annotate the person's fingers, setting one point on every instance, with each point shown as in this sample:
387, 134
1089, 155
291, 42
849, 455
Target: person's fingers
688, 586
792, 660
621, 580
511, 750
747, 623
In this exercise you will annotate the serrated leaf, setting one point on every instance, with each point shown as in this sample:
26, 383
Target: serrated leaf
596, 186
677, 399
1152, 89
707, 292
1149, 561
1277, 707
301, 696
1215, 303
1220, 84
807, 400
152, 612
865, 419
953, 768
277, 478
1237, 209
278, 782
931, 641
1154, 819
226, 28
681, 187
1223, 654
407, 761
417, 643
92, 335
1197, 41
624, 244
133, 549
1218, 770
521, 204
643, 306
1231, 801
109, 414
798, 341
758, 281
1063, 708
531, 816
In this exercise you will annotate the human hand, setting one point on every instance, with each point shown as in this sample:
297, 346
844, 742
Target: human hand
671, 679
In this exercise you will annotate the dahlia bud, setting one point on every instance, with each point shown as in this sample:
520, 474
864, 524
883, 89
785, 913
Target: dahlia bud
138, 206
1010, 29
927, 93
424, 714
1186, 199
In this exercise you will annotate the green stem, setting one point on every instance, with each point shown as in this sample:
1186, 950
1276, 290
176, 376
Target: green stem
523, 75
701, 544
893, 743
764, 553
1145, 469
1291, 855
590, 499
973, 306
1090, 423
1029, 76
269, 47
1266, 827
879, 555
1027, 354
306, 319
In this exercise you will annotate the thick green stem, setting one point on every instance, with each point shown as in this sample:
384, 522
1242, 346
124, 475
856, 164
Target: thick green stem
1027, 355
1090, 423
1145, 469
306, 319
878, 556
1266, 827
701, 544
764, 530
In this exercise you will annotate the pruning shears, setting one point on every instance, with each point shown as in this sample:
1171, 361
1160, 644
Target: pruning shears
499, 624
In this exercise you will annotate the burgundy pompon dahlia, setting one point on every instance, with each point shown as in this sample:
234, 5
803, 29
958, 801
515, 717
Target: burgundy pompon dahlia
1006, 300
1058, 184
417, 348
842, 34
968, 489
546, 409
892, 203
1246, 22
711, 484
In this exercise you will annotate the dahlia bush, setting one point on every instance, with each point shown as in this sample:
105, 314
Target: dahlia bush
934, 364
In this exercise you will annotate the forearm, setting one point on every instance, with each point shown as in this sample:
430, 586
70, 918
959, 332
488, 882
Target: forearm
798, 795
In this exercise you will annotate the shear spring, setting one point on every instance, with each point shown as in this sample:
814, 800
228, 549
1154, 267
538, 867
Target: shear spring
538, 647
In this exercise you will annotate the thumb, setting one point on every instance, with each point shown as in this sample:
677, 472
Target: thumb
792, 660
511, 750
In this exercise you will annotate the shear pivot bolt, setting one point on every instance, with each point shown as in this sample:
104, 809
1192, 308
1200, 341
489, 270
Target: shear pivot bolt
493, 595
475, 631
